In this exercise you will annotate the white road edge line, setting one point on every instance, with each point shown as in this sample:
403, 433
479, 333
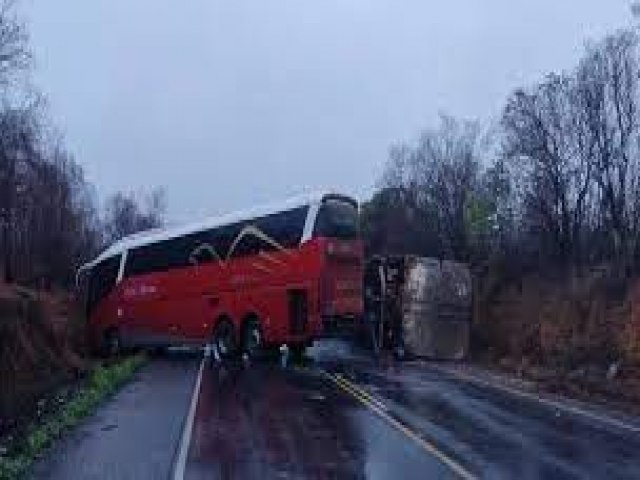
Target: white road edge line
185, 440
546, 401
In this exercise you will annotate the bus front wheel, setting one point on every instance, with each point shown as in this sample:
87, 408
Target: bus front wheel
111, 343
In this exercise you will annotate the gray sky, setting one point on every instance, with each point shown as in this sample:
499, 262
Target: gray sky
228, 103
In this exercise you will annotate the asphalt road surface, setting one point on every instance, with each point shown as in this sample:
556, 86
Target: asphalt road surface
135, 435
340, 415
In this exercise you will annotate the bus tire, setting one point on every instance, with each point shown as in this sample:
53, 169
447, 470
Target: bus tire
298, 351
223, 341
112, 343
252, 338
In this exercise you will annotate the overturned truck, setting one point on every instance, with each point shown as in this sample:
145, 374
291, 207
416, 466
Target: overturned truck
418, 306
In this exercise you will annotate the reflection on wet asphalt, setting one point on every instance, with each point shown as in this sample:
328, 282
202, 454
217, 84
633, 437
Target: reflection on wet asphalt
501, 435
263, 421
266, 422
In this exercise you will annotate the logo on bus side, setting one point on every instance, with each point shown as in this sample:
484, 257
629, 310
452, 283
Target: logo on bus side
140, 290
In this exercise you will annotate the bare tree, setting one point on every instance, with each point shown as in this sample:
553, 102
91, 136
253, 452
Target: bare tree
565, 184
608, 94
14, 52
544, 137
49, 223
438, 181
128, 213
18, 154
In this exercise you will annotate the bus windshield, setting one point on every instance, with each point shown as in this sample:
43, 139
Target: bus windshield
337, 219
102, 279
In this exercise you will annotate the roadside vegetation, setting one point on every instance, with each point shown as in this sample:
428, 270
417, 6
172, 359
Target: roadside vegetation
50, 223
544, 204
66, 411
41, 348
48, 383
49, 216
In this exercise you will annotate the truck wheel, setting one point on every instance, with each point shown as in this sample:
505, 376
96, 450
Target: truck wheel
400, 353
223, 341
253, 340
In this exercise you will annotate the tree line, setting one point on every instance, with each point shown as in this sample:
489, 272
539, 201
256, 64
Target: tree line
554, 183
49, 216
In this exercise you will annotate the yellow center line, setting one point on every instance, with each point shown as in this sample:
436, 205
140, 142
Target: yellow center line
339, 378
380, 409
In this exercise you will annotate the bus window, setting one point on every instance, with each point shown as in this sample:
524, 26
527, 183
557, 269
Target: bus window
282, 230
148, 259
285, 228
158, 257
337, 219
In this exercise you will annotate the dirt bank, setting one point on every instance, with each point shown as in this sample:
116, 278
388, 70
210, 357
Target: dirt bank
576, 334
41, 342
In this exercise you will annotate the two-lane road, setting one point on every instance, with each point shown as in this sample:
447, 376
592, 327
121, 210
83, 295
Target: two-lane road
497, 431
266, 422
339, 416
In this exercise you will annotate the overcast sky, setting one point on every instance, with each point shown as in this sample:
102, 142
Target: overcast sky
228, 103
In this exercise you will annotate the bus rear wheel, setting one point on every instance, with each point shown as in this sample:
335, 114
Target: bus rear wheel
223, 341
252, 339
298, 351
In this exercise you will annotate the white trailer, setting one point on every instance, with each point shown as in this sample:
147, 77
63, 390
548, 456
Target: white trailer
419, 306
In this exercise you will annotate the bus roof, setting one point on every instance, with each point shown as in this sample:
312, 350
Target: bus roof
159, 234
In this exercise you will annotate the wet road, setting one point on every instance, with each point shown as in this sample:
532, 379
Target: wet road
500, 434
265, 422
340, 415
133, 436
344, 416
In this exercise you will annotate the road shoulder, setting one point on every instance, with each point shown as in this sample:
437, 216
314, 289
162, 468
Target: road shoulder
526, 388
134, 435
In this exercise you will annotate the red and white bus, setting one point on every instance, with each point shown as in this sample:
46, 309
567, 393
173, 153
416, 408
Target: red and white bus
283, 274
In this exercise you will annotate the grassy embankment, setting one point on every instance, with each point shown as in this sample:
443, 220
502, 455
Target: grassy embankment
48, 382
101, 383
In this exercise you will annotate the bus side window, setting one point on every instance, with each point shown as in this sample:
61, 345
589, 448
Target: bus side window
285, 228
157, 257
